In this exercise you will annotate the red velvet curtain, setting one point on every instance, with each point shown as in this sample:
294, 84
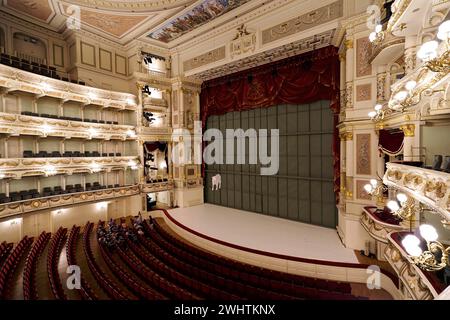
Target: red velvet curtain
301, 79
391, 141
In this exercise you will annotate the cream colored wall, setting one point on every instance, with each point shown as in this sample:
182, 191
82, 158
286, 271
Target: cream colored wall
435, 141
32, 224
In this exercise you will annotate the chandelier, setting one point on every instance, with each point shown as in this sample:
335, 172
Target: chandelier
376, 189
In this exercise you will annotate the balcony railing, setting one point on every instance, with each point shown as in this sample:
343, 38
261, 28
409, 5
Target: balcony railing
13, 79
24, 206
17, 124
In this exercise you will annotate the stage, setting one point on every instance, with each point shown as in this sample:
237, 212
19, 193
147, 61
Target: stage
265, 233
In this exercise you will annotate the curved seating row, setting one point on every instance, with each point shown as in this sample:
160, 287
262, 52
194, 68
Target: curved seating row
29, 273
86, 291
54, 252
105, 282
12, 261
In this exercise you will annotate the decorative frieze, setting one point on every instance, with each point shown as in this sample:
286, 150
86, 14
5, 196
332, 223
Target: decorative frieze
204, 59
304, 22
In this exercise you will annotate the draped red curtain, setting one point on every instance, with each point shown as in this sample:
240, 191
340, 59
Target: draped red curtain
391, 141
301, 79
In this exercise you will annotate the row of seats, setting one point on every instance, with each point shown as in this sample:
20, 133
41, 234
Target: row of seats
203, 289
49, 191
11, 263
86, 291
5, 249
240, 288
41, 69
132, 283
154, 279
54, 251
113, 291
54, 116
29, 273
238, 268
68, 154
440, 163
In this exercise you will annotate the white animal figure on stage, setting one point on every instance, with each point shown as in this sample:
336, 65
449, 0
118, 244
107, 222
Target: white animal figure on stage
216, 182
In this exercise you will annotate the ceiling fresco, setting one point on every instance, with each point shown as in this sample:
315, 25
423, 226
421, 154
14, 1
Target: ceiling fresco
204, 12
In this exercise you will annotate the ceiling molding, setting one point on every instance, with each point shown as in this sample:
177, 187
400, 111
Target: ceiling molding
132, 5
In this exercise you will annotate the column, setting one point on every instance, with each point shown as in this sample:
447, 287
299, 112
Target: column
7, 187
342, 156
349, 71
408, 141
6, 146
410, 53
380, 164
349, 162
382, 87
169, 159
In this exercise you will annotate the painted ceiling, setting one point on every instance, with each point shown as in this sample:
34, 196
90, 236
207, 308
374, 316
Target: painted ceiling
120, 20
202, 13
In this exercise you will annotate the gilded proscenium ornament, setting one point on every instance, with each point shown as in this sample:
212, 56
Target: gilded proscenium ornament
346, 136
408, 130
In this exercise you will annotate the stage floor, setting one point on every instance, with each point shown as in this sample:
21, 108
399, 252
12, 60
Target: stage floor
265, 233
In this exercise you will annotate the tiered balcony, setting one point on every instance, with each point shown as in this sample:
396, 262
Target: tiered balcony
17, 168
430, 187
416, 283
54, 201
379, 225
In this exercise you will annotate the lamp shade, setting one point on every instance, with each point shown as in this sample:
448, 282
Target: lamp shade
368, 188
402, 197
428, 232
393, 206
428, 51
444, 31
411, 245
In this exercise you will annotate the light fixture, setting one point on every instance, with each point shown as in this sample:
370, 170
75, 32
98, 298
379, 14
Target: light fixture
436, 59
379, 113
50, 170
163, 165
95, 167
427, 260
131, 133
133, 165
376, 189
131, 102
444, 31
92, 96
92, 131
2, 176
404, 208
46, 87
101, 205
401, 96
46, 129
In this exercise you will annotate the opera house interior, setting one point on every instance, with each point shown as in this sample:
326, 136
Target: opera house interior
229, 150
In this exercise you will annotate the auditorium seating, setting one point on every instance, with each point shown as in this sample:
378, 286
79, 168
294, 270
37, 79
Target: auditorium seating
10, 265
154, 265
86, 291
55, 248
110, 288
54, 116
29, 273
5, 249
67, 154
41, 69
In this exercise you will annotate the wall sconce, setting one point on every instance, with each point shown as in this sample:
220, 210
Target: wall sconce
131, 102
92, 132
46, 87
379, 113
95, 167
50, 170
427, 260
133, 165
131, 133
376, 189
2, 176
92, 96
377, 36
405, 209
46, 129
163, 165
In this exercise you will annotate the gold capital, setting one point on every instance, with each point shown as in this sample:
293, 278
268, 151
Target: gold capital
348, 44
408, 130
